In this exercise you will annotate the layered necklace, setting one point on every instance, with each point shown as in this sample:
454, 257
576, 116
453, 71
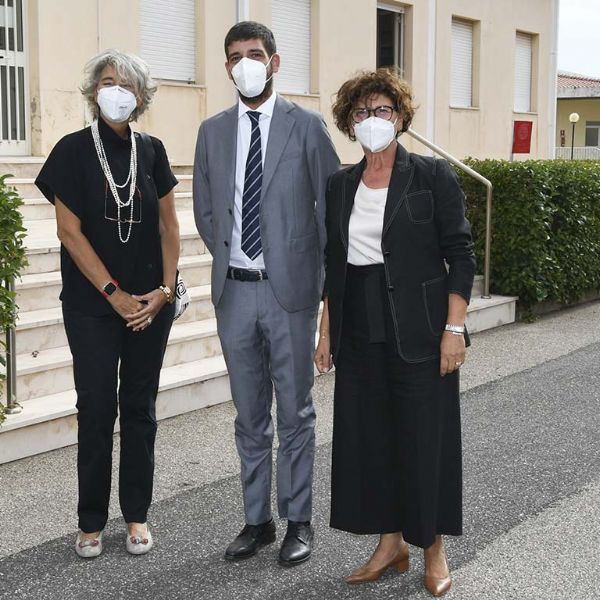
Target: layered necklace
114, 187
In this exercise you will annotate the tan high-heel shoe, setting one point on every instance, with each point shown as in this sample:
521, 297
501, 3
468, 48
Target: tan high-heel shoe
437, 586
400, 562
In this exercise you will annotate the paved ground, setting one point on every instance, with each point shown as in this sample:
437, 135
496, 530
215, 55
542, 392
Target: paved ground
532, 495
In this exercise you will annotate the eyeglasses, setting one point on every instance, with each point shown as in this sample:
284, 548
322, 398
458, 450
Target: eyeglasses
382, 112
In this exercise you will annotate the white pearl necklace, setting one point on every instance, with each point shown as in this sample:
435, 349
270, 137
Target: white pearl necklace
114, 187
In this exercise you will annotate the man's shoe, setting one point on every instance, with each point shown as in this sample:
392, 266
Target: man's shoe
297, 544
250, 540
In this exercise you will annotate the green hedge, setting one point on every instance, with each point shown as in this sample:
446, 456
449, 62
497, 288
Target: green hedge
545, 228
12, 260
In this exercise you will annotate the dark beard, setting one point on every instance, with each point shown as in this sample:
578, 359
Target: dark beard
266, 93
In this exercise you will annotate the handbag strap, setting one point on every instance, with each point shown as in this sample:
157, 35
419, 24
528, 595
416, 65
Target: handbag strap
149, 152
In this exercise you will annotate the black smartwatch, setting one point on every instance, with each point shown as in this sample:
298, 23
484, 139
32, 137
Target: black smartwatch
110, 288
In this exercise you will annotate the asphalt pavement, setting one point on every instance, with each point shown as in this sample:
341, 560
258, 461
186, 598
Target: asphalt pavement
531, 436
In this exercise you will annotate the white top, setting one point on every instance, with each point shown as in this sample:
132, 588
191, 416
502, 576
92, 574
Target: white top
366, 226
238, 259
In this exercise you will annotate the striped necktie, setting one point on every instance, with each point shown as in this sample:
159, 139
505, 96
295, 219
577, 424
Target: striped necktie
251, 243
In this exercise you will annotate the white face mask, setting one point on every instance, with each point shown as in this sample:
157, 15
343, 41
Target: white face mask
375, 134
116, 103
250, 77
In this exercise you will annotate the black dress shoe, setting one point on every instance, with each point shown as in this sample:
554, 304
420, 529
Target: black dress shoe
297, 544
250, 540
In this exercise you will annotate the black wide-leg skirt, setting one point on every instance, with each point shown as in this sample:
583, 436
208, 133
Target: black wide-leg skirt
397, 463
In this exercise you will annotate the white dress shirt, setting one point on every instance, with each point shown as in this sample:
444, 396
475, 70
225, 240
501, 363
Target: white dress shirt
238, 258
366, 226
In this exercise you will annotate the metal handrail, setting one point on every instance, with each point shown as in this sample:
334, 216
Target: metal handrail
12, 406
488, 211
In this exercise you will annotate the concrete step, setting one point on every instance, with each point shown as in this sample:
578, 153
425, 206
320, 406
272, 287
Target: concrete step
43, 247
182, 169
29, 166
36, 291
477, 286
35, 209
51, 371
185, 182
49, 422
42, 329
26, 187
487, 313
21, 166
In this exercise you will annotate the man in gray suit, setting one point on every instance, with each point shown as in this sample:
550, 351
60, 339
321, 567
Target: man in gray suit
260, 176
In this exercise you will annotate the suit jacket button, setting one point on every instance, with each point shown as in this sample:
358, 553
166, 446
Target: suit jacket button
391, 288
226, 243
387, 253
229, 211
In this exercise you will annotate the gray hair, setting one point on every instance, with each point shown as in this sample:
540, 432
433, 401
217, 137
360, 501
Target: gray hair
129, 68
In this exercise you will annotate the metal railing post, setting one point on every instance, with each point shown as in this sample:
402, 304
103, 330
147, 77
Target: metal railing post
12, 406
488, 211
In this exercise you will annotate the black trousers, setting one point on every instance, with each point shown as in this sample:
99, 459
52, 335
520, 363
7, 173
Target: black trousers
115, 367
397, 463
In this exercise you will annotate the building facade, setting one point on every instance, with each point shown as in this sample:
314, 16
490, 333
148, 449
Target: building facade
581, 95
475, 67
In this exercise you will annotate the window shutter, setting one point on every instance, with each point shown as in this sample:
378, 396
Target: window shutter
461, 92
168, 38
291, 28
523, 52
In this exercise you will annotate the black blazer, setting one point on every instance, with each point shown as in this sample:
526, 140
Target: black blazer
424, 224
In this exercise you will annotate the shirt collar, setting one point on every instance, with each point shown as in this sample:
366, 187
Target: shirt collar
108, 135
266, 108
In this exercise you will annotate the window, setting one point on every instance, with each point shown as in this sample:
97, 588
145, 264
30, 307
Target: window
461, 86
390, 37
523, 72
592, 133
168, 38
290, 21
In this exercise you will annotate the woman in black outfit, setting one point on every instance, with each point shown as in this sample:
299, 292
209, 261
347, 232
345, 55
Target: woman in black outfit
393, 324
116, 220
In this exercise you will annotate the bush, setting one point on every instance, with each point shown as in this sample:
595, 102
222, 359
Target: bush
12, 260
545, 228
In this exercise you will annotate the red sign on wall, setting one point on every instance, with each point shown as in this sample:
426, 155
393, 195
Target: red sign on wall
522, 137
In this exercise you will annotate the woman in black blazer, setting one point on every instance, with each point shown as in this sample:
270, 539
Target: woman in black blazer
393, 324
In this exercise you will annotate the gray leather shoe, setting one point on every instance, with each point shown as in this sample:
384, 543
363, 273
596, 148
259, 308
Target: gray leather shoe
250, 540
297, 545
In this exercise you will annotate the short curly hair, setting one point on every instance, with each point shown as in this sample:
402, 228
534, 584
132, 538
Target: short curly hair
363, 85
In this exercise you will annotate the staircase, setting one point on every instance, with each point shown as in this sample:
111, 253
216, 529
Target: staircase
194, 373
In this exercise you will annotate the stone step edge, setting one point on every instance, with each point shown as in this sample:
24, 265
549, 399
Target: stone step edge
44, 201
60, 356
56, 406
33, 280
52, 316
31, 180
479, 303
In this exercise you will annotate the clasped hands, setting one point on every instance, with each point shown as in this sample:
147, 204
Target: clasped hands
138, 311
452, 353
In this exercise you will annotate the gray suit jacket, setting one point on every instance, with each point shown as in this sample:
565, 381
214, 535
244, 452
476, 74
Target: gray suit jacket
299, 159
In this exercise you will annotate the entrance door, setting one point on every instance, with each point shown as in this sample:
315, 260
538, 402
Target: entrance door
14, 114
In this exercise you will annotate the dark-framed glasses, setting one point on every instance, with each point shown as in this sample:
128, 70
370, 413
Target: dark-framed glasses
382, 112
